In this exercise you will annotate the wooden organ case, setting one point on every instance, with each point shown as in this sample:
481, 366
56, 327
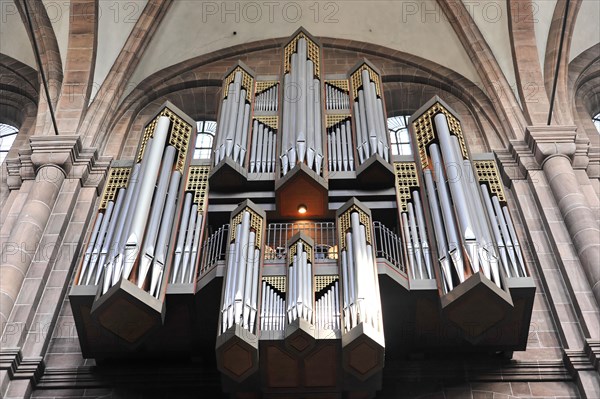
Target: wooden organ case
294, 256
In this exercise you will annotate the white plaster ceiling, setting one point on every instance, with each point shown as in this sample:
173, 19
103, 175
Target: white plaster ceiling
116, 21
542, 13
14, 40
587, 28
59, 12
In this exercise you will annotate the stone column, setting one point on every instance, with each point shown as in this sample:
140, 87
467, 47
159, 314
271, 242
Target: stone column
51, 159
554, 152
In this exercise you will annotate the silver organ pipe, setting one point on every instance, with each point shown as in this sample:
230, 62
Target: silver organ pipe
310, 115
267, 99
103, 242
179, 244
337, 98
285, 127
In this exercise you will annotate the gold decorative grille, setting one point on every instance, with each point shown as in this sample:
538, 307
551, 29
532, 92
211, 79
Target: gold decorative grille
425, 132
247, 82
357, 82
293, 249
323, 281
487, 172
332, 120
277, 282
180, 135
344, 225
263, 85
341, 84
313, 53
198, 184
117, 178
406, 180
271, 121
256, 223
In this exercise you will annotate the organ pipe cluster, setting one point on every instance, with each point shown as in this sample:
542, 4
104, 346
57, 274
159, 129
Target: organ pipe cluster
301, 140
266, 97
273, 309
369, 113
131, 237
234, 120
241, 287
327, 315
361, 303
472, 229
300, 279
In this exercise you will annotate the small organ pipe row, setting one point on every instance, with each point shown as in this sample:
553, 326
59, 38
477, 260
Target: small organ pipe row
504, 233
267, 100
301, 128
371, 131
234, 121
240, 295
300, 290
264, 148
272, 315
328, 309
336, 97
339, 147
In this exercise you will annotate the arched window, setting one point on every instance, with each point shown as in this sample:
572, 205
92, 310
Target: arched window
399, 137
204, 140
8, 134
596, 120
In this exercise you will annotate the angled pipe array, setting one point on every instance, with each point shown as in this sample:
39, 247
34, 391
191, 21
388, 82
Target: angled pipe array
302, 124
336, 98
371, 130
241, 288
300, 292
264, 148
234, 120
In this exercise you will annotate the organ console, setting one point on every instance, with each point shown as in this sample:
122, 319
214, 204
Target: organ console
307, 306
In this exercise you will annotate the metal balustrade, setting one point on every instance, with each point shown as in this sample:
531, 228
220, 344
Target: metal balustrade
322, 233
214, 249
388, 245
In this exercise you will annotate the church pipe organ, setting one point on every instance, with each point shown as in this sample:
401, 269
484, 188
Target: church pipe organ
324, 298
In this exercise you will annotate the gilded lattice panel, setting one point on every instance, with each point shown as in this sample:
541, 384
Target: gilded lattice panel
198, 184
313, 53
323, 281
271, 121
425, 132
293, 249
357, 82
247, 82
487, 172
117, 178
332, 120
264, 85
180, 135
406, 180
344, 225
256, 224
277, 282
341, 84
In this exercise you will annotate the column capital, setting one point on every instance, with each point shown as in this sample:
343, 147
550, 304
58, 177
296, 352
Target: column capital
546, 142
64, 152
